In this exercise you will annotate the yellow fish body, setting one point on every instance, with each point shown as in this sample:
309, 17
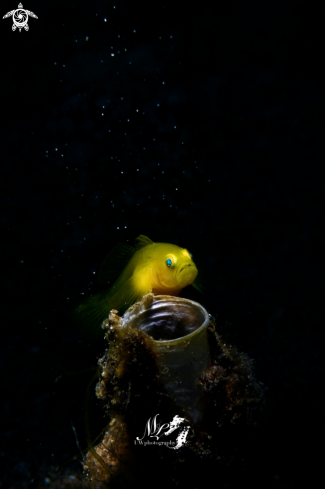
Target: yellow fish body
160, 268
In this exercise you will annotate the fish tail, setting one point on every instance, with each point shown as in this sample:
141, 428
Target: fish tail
92, 312
90, 315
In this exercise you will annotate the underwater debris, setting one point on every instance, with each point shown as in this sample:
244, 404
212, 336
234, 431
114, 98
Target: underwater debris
113, 454
166, 361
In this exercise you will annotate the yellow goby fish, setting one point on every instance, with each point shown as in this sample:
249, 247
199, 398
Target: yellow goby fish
160, 268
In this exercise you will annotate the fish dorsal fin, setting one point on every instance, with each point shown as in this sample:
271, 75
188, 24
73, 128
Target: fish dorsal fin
114, 263
142, 241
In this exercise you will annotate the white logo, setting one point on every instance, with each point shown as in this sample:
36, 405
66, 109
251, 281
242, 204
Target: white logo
20, 18
154, 430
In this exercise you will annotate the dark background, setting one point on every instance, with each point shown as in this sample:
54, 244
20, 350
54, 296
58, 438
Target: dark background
205, 129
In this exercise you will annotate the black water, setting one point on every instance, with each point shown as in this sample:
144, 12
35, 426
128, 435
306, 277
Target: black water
200, 126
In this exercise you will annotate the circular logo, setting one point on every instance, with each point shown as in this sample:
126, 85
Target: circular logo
20, 18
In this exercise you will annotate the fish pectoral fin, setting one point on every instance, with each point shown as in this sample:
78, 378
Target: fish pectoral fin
115, 262
197, 284
141, 241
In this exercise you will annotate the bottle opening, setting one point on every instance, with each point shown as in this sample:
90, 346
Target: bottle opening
171, 319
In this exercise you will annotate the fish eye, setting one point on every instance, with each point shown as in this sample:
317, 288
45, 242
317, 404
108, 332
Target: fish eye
168, 262
191, 254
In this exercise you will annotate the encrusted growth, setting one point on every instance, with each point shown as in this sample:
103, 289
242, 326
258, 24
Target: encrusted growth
132, 392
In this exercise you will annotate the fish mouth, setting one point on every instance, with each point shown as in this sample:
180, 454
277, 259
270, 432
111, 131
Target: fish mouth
186, 274
184, 267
